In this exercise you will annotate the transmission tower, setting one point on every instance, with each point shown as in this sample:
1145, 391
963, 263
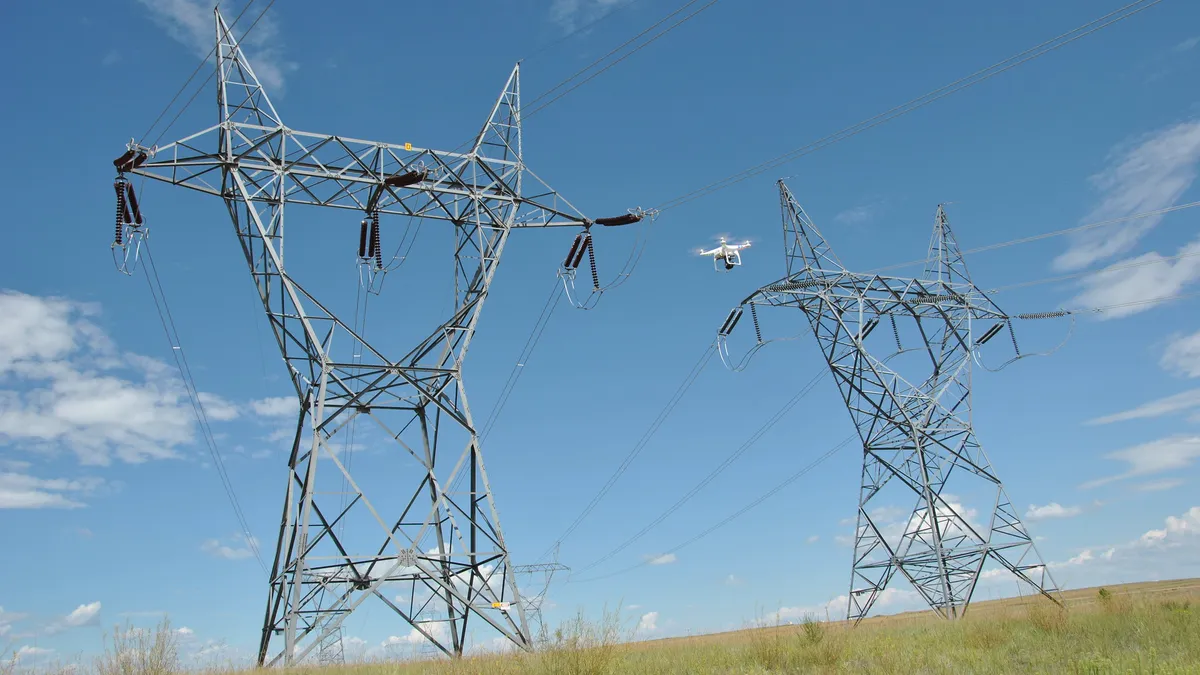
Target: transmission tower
918, 442
443, 549
533, 602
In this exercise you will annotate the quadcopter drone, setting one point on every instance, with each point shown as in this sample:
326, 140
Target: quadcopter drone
730, 254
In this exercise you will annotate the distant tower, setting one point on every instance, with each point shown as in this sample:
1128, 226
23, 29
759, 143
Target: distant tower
401, 532
919, 449
534, 601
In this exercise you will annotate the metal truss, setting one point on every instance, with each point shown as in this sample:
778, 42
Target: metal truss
533, 602
442, 548
917, 439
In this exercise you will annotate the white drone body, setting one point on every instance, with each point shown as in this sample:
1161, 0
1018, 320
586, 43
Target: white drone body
726, 254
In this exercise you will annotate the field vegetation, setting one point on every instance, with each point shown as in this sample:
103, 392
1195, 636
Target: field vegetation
1136, 628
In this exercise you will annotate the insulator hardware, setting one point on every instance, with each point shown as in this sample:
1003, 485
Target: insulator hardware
591, 251
867, 327
376, 250
1044, 315
130, 160
362, 239
122, 210
991, 333
896, 333
406, 179
572, 259
735, 315
757, 328
1013, 334
627, 219
133, 204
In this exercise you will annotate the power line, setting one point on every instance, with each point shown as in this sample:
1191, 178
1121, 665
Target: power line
919, 102
733, 516
741, 450
625, 56
1047, 235
535, 335
686, 384
185, 373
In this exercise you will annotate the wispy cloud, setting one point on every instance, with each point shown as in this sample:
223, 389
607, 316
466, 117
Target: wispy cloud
239, 550
1140, 284
1051, 510
570, 14
1150, 173
22, 491
858, 215
1160, 485
1182, 355
665, 559
1187, 45
1166, 454
276, 406
191, 23
1180, 402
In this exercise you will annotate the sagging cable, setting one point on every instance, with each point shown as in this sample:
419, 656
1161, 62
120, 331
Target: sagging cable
568, 269
731, 321
1007, 322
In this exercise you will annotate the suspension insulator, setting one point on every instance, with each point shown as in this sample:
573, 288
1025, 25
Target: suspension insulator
754, 317
896, 333
406, 179
583, 247
735, 315
1013, 334
991, 333
627, 219
133, 204
569, 262
120, 188
592, 259
867, 327
375, 241
124, 161
362, 239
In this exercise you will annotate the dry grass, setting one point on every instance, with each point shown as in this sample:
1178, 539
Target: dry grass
1142, 628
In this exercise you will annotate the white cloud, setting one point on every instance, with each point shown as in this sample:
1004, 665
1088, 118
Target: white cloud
665, 559
732, 580
239, 550
185, 631
1160, 485
1164, 406
20, 491
277, 406
569, 14
648, 623
1182, 355
83, 615
858, 215
1119, 284
813, 539
1150, 173
1166, 454
111, 57
1083, 557
29, 652
78, 393
217, 409
191, 23
1051, 510
1186, 45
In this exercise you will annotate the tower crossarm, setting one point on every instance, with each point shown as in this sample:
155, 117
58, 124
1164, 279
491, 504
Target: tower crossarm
359, 175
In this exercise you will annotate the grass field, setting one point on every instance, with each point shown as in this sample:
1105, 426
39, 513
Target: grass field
1149, 627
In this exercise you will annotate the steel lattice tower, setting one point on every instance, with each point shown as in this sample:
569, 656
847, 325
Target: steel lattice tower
917, 439
445, 548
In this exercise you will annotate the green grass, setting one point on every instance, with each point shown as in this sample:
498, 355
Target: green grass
1100, 631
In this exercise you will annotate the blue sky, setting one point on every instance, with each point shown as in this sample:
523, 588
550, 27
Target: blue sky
111, 512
